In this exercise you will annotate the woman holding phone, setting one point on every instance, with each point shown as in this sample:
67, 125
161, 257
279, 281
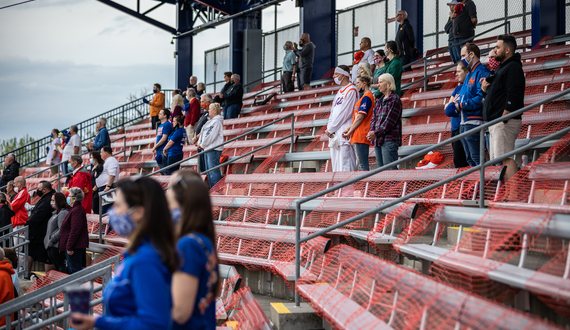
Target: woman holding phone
139, 295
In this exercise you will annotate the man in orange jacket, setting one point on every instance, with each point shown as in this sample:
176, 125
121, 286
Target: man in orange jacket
19, 202
156, 104
6, 284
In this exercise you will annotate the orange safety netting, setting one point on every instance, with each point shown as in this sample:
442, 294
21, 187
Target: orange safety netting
355, 290
247, 313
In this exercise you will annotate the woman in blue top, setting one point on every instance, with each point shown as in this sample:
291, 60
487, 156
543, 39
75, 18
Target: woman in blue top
196, 284
176, 140
459, 158
139, 296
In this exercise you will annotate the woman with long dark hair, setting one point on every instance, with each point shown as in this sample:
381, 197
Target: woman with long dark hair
51, 240
195, 284
96, 170
139, 295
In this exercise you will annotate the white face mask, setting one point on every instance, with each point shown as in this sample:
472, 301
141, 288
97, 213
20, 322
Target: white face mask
16, 189
338, 80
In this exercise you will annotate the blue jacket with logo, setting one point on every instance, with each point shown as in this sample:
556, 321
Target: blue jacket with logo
471, 101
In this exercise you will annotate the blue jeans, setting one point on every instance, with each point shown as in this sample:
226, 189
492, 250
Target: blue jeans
453, 54
362, 152
457, 50
387, 154
471, 145
163, 161
212, 160
172, 160
202, 161
64, 169
232, 111
75, 261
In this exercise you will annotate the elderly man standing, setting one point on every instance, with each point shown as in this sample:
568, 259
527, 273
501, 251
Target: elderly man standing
81, 178
37, 226
289, 67
156, 104
11, 170
192, 114
102, 139
234, 98
72, 147
306, 56
205, 101
343, 157
405, 39
110, 175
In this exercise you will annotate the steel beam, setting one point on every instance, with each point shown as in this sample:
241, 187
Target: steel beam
548, 19
415, 10
184, 46
140, 16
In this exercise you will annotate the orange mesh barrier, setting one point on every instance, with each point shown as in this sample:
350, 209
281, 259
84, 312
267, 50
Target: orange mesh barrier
248, 312
355, 290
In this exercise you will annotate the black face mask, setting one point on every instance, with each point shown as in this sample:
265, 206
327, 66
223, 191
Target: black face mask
361, 91
39, 193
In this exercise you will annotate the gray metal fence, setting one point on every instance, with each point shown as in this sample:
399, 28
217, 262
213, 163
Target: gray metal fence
17, 239
273, 52
216, 62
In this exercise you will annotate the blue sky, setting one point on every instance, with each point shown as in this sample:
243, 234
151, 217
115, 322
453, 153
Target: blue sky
64, 61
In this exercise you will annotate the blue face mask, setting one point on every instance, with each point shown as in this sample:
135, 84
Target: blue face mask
68, 200
284, 47
70, 168
92, 162
176, 214
155, 91
122, 223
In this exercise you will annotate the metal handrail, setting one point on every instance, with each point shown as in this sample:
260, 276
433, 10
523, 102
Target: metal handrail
448, 48
29, 148
24, 242
291, 136
481, 168
89, 274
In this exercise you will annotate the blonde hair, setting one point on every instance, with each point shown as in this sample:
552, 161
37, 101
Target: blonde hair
364, 67
217, 106
388, 79
177, 100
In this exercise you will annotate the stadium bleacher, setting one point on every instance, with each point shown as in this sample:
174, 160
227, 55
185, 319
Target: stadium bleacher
518, 241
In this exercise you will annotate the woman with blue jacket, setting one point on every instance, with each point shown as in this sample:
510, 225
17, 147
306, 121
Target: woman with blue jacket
139, 295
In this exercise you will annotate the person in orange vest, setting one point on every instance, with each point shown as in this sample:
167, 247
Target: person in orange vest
156, 104
7, 288
19, 203
81, 178
361, 116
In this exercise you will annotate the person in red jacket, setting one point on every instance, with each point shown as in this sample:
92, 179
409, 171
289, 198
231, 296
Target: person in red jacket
73, 234
6, 285
192, 113
19, 202
81, 178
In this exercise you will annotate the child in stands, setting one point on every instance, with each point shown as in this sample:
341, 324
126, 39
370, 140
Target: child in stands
139, 296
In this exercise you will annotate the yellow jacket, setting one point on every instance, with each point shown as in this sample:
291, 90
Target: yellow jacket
156, 104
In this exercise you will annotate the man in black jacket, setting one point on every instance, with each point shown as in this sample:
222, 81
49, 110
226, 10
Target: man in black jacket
504, 93
37, 226
234, 98
11, 170
405, 39
229, 82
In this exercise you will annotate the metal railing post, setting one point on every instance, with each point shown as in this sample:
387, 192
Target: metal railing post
125, 148
425, 75
26, 251
292, 133
59, 177
100, 217
297, 251
482, 173
508, 27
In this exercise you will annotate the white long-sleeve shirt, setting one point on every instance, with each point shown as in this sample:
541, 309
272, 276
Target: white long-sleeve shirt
341, 113
212, 133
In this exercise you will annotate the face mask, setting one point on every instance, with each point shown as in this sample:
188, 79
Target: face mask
155, 91
377, 60
16, 189
52, 205
338, 80
68, 200
204, 105
122, 223
176, 214
70, 168
92, 163
39, 193
285, 48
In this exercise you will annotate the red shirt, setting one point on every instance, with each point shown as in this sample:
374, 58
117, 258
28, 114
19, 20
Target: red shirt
193, 113
82, 180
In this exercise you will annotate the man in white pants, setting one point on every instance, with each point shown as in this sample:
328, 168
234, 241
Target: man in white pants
343, 157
